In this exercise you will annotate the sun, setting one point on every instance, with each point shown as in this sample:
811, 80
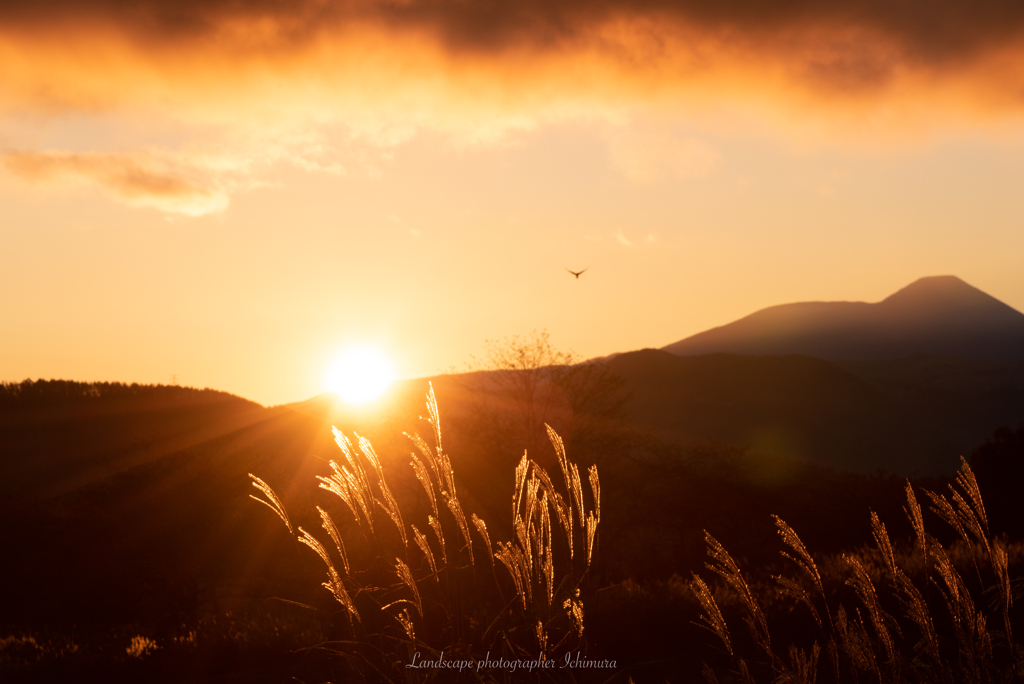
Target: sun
359, 375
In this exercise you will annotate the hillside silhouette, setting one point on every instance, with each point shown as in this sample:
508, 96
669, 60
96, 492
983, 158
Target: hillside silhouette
128, 507
173, 530
938, 315
61, 435
912, 416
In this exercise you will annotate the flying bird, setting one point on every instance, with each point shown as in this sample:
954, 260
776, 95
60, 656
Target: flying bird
577, 273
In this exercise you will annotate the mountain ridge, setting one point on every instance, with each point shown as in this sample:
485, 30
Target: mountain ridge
938, 315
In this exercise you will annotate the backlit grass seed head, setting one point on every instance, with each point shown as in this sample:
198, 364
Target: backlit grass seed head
460, 521
272, 502
439, 533
913, 511
328, 524
423, 476
532, 487
577, 493
357, 471
802, 558
945, 510
312, 542
916, 608
510, 558
542, 639
421, 541
423, 448
727, 569
547, 565
387, 501
595, 487
432, 416
1001, 568
407, 625
523, 536
573, 607
432, 410
555, 499
524, 560
336, 586
966, 513
865, 588
447, 483
884, 545
711, 619
517, 496
390, 507
481, 527
969, 484
368, 452
591, 530
564, 515
406, 576
346, 486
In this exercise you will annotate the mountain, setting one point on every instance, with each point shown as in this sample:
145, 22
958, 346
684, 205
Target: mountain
938, 315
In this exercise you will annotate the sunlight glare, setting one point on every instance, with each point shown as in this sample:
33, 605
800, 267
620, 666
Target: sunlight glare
359, 375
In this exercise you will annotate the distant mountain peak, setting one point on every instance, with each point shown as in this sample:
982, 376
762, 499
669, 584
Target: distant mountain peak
947, 290
939, 281
941, 315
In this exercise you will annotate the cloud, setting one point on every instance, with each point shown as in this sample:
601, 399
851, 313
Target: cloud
430, 59
136, 180
926, 31
292, 79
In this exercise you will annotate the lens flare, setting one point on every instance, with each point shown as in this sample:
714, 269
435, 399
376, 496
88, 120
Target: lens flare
359, 375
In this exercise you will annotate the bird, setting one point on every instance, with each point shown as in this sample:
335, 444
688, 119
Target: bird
577, 273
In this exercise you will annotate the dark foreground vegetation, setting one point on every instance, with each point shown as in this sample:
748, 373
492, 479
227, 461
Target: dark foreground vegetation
135, 553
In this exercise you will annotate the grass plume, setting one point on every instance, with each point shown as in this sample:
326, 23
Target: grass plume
450, 605
887, 629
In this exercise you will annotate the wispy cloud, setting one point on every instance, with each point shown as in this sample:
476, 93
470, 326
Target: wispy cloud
135, 179
198, 172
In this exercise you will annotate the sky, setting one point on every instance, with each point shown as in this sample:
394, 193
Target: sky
227, 194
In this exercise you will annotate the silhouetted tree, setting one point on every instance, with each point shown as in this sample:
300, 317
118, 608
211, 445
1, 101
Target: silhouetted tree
526, 382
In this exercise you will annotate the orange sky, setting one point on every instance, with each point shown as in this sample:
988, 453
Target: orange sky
230, 193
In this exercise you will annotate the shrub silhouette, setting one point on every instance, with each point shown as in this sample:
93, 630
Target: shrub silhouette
999, 465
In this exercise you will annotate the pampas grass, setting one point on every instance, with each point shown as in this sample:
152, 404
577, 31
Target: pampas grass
445, 592
904, 616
